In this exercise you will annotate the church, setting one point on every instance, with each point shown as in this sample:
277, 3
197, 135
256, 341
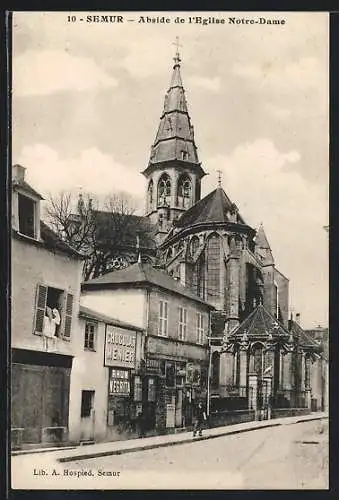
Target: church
258, 353
256, 358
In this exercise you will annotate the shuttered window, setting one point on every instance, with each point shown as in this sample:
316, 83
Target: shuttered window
53, 298
200, 328
68, 316
163, 318
182, 325
40, 309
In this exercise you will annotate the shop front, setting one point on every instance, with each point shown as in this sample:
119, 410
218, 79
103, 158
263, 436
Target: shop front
120, 358
173, 386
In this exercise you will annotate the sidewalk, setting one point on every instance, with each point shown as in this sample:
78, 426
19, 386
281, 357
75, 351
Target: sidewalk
133, 445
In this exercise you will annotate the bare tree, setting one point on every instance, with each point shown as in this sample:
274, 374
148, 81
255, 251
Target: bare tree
100, 235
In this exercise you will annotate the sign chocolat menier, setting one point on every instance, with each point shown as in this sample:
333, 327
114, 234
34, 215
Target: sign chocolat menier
120, 347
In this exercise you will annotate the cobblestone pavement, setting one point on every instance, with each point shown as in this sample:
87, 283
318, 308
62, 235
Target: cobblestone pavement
285, 457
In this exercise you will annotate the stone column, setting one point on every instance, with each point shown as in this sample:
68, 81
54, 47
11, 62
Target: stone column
268, 385
302, 371
281, 370
288, 371
233, 283
226, 369
243, 368
252, 393
174, 188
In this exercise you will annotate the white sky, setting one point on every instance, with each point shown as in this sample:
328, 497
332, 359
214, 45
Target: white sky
87, 99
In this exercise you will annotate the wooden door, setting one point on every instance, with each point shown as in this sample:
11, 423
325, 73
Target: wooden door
31, 399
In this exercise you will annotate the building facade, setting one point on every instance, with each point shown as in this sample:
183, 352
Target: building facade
102, 403
174, 367
46, 277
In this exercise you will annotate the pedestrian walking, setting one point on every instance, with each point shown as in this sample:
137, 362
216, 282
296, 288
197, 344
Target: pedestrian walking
140, 424
200, 417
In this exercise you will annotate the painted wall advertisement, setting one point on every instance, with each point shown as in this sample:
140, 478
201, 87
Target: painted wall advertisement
119, 382
120, 347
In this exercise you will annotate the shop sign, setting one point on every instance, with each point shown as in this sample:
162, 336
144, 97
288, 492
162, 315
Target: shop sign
193, 374
119, 383
170, 415
120, 346
170, 374
151, 390
153, 365
137, 388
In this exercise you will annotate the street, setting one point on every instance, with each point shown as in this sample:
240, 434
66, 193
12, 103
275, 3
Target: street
284, 457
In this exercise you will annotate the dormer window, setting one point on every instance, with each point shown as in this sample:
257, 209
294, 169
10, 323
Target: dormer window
27, 208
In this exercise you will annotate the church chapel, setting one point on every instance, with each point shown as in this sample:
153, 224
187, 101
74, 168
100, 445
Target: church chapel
206, 244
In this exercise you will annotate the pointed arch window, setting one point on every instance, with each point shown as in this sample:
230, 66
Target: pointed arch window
150, 196
194, 246
184, 192
164, 190
213, 276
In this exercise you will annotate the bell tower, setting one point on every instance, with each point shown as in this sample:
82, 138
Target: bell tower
174, 172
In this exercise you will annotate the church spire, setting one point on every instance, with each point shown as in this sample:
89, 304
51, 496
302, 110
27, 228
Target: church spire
262, 247
175, 137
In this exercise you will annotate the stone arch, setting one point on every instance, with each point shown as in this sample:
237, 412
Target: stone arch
184, 196
164, 190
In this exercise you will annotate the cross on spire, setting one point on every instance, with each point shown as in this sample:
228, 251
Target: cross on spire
177, 55
219, 172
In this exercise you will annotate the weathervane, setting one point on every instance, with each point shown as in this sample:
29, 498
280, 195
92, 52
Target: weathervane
177, 55
219, 172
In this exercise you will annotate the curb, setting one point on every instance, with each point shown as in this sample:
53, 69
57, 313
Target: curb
16, 453
145, 447
159, 445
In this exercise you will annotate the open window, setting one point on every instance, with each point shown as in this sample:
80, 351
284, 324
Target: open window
27, 208
87, 403
55, 305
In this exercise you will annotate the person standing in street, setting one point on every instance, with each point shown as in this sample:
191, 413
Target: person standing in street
200, 417
141, 424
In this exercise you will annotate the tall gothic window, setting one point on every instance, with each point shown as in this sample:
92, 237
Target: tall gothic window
213, 268
150, 196
194, 246
164, 190
184, 192
199, 277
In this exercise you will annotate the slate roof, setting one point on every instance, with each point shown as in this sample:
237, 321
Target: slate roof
86, 312
142, 274
260, 324
304, 339
175, 134
263, 247
53, 242
212, 208
135, 225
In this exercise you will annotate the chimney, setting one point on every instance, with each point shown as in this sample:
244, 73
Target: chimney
18, 173
297, 318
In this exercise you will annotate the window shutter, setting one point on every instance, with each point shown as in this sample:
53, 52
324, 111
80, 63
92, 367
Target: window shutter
68, 315
41, 299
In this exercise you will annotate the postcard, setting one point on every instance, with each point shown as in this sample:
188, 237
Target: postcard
170, 223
